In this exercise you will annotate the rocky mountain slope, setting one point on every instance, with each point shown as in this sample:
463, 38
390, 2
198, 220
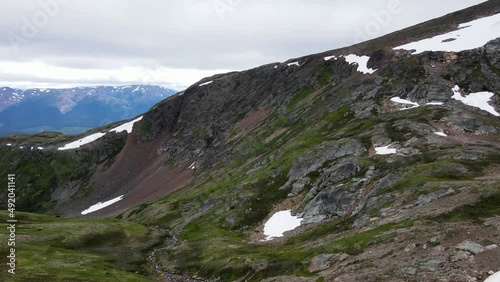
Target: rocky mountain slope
387, 157
74, 110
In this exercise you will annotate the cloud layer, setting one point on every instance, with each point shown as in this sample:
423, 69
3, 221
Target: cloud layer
57, 43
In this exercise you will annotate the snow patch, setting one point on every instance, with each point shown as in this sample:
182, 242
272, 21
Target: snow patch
192, 166
78, 143
405, 102
385, 150
435, 104
101, 205
469, 35
328, 58
279, 223
493, 278
126, 126
91, 138
441, 134
206, 83
362, 62
8, 144
40, 148
478, 100
294, 64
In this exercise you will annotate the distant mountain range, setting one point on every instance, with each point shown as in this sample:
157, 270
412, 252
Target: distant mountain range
73, 110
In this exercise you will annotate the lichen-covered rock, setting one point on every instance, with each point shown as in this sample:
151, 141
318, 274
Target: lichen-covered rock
313, 160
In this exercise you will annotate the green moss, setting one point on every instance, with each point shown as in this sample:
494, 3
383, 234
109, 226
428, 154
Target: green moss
434, 171
355, 244
266, 194
138, 209
323, 73
321, 231
299, 96
486, 207
56, 249
396, 134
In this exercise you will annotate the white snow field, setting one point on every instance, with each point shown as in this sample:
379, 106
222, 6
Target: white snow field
493, 278
101, 205
405, 102
469, 35
206, 83
126, 126
80, 142
192, 166
435, 104
385, 150
362, 62
294, 64
441, 134
328, 58
93, 137
279, 223
478, 100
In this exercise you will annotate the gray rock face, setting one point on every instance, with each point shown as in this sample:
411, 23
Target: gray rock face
426, 199
313, 160
459, 256
380, 140
431, 265
337, 172
324, 261
471, 247
407, 271
330, 203
465, 119
300, 185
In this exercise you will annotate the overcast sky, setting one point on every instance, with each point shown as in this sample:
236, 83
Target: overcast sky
65, 43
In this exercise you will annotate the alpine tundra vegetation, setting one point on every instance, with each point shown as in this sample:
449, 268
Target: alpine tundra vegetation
374, 162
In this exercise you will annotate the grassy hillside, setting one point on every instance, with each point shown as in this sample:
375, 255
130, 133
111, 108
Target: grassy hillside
56, 249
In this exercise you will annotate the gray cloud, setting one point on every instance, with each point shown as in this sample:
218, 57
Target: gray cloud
206, 35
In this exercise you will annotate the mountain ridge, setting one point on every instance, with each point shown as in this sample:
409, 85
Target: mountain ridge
73, 110
392, 177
